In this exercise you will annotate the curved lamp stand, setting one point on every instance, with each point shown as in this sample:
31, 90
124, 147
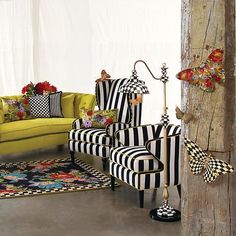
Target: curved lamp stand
164, 212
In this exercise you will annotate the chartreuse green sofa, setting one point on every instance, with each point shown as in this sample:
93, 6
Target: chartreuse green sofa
25, 135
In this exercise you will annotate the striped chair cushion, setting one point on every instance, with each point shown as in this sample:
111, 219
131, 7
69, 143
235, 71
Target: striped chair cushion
89, 148
136, 158
139, 181
91, 135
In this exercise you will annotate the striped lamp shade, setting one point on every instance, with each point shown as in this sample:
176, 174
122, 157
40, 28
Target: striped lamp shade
134, 85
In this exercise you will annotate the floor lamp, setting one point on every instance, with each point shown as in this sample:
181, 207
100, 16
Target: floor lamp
165, 212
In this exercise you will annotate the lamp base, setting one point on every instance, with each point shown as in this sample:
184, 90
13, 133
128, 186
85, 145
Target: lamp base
165, 213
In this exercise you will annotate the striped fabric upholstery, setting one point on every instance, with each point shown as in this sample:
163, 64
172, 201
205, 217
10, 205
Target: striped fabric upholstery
97, 136
135, 158
89, 148
138, 136
98, 142
139, 181
143, 172
108, 97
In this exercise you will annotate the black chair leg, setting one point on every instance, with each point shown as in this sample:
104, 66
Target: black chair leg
112, 183
72, 156
141, 198
60, 148
104, 163
179, 190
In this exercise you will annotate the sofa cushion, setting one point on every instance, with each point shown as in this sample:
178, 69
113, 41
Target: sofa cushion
90, 135
39, 106
67, 104
135, 158
55, 104
36, 127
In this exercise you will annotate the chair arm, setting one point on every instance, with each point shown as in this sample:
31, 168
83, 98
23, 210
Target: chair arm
135, 136
111, 129
155, 147
77, 124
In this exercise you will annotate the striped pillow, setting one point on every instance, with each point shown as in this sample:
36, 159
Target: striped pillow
55, 104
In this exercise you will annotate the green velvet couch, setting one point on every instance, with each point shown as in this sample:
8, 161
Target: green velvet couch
25, 135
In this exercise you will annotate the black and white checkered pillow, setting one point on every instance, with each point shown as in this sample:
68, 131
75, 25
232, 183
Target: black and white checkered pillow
39, 106
55, 104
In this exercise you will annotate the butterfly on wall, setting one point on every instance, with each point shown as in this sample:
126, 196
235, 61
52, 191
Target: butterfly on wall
184, 116
200, 161
104, 76
136, 101
207, 74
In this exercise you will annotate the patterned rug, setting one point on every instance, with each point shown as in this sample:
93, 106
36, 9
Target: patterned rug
50, 176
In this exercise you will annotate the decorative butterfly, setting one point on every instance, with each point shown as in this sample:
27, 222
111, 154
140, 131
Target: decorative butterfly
104, 76
136, 101
207, 74
200, 160
185, 117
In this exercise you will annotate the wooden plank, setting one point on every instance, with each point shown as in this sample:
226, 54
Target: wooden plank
209, 209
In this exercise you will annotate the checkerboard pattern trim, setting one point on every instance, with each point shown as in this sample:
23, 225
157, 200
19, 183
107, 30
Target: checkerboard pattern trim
105, 181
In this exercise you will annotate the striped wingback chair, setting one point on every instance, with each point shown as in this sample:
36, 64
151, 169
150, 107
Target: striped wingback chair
138, 160
97, 141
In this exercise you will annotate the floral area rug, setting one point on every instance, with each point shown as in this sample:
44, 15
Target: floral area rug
50, 176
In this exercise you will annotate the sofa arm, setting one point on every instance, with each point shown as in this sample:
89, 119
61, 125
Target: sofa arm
77, 124
116, 126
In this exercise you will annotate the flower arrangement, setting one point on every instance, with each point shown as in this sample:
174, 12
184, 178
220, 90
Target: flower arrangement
41, 88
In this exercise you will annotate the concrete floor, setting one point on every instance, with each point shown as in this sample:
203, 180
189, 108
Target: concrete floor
84, 213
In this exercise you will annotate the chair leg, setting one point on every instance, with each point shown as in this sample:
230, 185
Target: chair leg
112, 183
72, 156
60, 148
141, 198
179, 189
104, 163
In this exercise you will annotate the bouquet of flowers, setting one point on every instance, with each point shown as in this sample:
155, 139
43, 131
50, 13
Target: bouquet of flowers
41, 88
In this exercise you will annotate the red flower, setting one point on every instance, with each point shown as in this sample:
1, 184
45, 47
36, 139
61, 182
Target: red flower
62, 176
25, 101
89, 113
20, 114
109, 121
216, 55
216, 78
39, 88
208, 83
53, 89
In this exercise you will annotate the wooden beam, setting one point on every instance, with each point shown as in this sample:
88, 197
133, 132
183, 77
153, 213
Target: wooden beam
207, 209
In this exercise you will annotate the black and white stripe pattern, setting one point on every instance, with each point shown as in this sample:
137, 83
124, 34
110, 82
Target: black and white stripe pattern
138, 136
98, 142
108, 97
55, 104
89, 148
135, 158
143, 172
91, 135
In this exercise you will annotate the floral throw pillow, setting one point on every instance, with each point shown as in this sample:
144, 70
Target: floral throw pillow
99, 119
16, 109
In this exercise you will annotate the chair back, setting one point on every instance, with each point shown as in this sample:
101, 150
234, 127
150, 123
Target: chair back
108, 97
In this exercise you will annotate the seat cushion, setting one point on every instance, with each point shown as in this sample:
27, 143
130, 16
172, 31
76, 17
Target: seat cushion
135, 158
35, 127
91, 135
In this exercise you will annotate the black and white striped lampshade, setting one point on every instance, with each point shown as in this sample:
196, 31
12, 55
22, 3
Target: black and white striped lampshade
134, 85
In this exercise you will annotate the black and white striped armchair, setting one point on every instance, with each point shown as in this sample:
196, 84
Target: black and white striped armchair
97, 141
138, 160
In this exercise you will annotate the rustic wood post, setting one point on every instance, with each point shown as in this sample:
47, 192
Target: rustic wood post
209, 209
